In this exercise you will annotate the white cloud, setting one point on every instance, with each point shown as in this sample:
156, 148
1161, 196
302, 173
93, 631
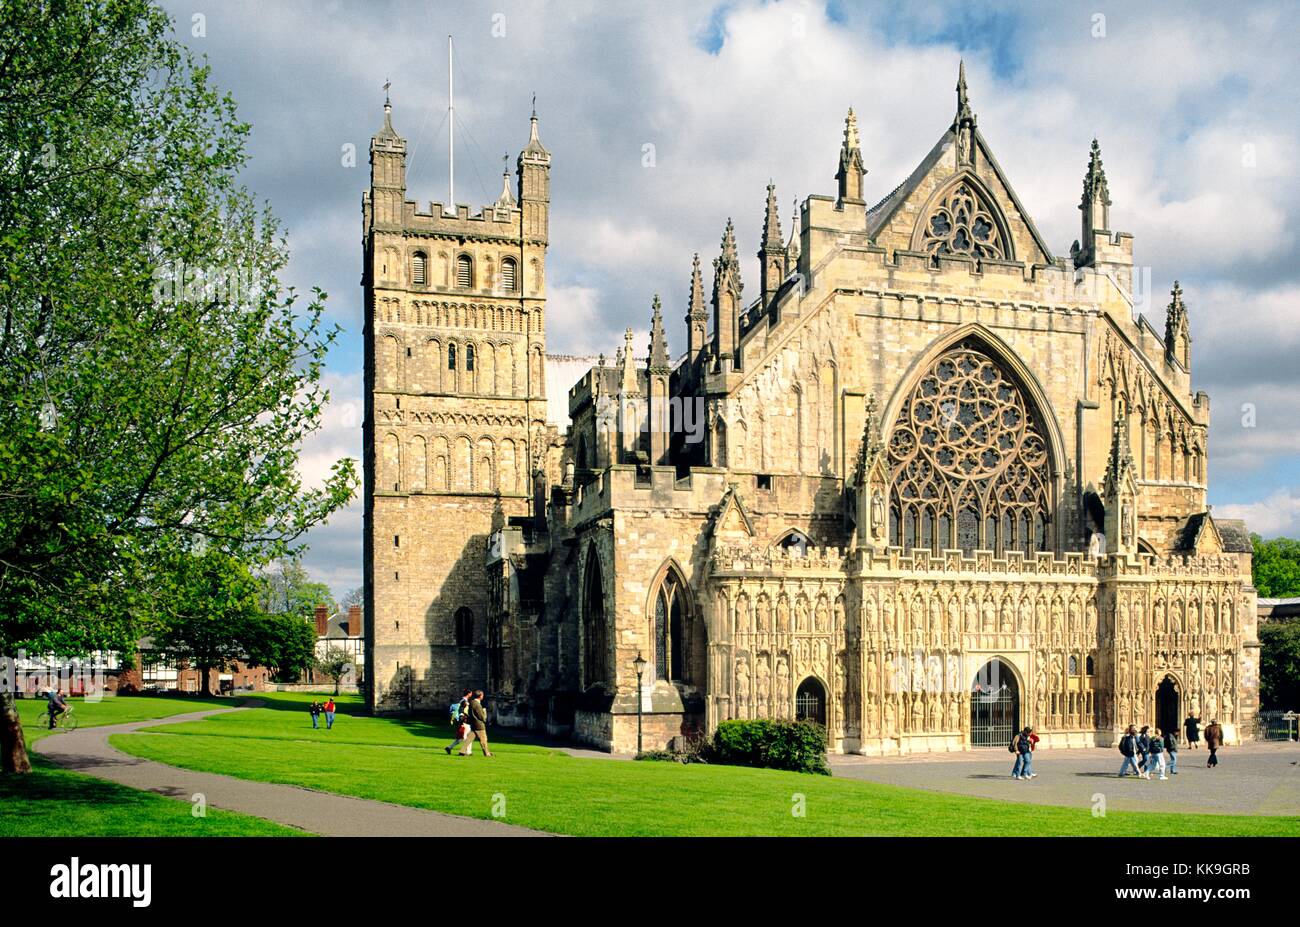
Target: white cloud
1276, 516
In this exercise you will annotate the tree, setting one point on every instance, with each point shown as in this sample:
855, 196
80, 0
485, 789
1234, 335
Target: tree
1275, 567
285, 644
1279, 665
335, 663
355, 596
212, 613
287, 588
157, 380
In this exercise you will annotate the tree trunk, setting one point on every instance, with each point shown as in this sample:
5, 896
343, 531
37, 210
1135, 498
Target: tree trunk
336, 685
13, 748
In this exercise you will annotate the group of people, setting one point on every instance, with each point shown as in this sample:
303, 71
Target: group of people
317, 709
469, 721
1152, 750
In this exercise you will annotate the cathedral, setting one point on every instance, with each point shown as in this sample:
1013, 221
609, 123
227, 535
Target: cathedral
926, 483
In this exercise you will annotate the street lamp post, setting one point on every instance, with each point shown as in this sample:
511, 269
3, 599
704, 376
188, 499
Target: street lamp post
639, 663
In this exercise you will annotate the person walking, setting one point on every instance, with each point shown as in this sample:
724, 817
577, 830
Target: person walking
1192, 727
1143, 748
1128, 748
1213, 740
315, 713
1156, 755
1171, 751
329, 713
478, 722
1025, 749
459, 716
1016, 742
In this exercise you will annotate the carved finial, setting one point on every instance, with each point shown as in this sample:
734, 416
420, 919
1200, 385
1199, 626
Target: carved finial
1094, 181
729, 242
695, 305
851, 131
659, 362
1177, 336
771, 221
792, 250
387, 84
871, 445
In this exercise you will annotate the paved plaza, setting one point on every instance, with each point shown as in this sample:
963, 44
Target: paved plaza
1259, 778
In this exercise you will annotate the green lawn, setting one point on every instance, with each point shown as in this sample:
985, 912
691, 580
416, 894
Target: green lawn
53, 802
402, 761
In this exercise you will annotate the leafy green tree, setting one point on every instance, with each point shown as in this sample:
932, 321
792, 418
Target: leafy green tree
1276, 567
1279, 665
287, 588
157, 380
285, 644
211, 613
335, 663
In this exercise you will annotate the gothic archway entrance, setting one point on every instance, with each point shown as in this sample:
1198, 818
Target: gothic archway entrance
1167, 707
810, 701
994, 705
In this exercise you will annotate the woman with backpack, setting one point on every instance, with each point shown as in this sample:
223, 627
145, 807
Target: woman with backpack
1023, 768
459, 715
1128, 749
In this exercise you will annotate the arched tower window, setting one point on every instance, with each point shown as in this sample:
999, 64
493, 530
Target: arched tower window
593, 624
419, 269
469, 357
451, 356
509, 275
464, 272
969, 459
464, 627
669, 626
796, 542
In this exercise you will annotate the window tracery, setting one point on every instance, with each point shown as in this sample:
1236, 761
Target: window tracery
962, 224
968, 460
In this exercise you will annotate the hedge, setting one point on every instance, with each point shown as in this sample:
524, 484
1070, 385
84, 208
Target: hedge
799, 746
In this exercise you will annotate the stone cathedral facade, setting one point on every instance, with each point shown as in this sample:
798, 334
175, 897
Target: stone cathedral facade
926, 483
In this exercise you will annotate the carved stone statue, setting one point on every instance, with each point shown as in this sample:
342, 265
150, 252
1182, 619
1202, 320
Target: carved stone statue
742, 688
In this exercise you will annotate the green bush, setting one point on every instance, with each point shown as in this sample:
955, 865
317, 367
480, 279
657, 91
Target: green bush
799, 746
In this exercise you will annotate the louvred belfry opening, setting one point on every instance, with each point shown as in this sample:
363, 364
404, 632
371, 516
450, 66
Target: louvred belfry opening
969, 460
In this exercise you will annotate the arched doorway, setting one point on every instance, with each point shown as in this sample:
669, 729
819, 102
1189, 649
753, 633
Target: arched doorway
1167, 707
994, 705
810, 701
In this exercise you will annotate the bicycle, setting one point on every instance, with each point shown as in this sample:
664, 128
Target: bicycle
66, 721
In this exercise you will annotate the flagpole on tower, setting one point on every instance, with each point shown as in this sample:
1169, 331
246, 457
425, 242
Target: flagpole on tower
451, 134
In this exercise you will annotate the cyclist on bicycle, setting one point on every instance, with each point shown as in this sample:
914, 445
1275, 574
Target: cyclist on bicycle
57, 705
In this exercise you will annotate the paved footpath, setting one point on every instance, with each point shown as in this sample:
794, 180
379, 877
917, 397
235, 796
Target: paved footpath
87, 751
1257, 778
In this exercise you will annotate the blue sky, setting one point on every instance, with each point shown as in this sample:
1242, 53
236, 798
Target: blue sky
1194, 105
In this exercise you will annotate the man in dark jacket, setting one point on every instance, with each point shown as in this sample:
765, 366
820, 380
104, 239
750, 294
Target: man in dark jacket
1128, 748
1171, 751
478, 721
1213, 740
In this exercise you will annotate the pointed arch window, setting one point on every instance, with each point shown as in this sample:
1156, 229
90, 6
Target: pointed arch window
419, 269
593, 625
464, 627
464, 272
669, 626
969, 450
963, 223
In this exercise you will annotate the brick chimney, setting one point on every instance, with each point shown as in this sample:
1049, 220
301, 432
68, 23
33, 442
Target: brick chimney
322, 620
354, 621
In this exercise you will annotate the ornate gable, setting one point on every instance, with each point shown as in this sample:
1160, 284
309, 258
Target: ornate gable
958, 201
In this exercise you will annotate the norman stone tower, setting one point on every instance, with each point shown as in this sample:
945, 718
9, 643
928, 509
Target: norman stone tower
455, 405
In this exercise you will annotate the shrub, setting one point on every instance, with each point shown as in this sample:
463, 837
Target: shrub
799, 746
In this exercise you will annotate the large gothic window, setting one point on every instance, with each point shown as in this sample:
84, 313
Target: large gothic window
962, 224
670, 626
593, 624
968, 459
